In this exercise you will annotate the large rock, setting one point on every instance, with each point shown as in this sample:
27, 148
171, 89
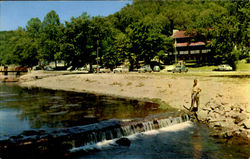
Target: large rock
202, 114
227, 108
246, 123
239, 117
123, 142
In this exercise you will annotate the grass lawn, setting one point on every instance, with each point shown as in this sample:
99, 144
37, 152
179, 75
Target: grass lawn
243, 66
243, 70
202, 68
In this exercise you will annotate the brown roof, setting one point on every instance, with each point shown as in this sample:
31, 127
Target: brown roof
200, 43
180, 34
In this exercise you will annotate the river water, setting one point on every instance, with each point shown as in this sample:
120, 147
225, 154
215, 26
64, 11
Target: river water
23, 109
28, 109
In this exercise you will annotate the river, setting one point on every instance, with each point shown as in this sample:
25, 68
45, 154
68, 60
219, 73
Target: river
24, 109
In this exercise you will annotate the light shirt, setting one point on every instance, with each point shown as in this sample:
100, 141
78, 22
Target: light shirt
196, 89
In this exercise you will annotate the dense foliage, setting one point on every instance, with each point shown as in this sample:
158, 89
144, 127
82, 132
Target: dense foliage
139, 32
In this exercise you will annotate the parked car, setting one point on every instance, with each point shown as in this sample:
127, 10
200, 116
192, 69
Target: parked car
105, 70
37, 67
95, 68
48, 68
145, 68
70, 68
180, 68
224, 67
157, 68
121, 69
169, 68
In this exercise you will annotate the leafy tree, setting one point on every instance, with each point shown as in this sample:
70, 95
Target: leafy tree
50, 37
33, 28
76, 41
147, 40
6, 47
122, 50
224, 24
25, 51
139, 32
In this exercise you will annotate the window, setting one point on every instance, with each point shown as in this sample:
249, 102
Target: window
195, 51
183, 52
206, 51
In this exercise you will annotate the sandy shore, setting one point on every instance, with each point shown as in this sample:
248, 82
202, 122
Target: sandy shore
224, 102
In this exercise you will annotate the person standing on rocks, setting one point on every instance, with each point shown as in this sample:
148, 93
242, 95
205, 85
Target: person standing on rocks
195, 96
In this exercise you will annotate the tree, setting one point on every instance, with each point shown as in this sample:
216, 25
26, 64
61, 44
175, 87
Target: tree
26, 48
50, 37
122, 50
76, 44
6, 47
147, 40
139, 32
33, 28
101, 34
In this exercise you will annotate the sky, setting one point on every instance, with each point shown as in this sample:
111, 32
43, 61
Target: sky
18, 13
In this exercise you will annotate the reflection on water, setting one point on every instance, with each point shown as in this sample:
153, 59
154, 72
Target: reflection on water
22, 109
197, 145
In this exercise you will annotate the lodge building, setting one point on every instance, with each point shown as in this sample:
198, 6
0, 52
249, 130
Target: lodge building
187, 48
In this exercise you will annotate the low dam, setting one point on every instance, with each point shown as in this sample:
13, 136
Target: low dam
34, 143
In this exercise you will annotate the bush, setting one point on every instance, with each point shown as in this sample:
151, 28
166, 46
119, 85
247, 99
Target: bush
233, 58
248, 60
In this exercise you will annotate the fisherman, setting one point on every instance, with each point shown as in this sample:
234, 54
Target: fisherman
195, 96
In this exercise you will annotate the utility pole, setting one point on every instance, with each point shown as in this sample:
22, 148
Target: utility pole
97, 52
175, 53
97, 58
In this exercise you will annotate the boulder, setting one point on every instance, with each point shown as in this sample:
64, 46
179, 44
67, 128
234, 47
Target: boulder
123, 142
228, 134
227, 108
239, 117
202, 114
219, 95
246, 123
30, 133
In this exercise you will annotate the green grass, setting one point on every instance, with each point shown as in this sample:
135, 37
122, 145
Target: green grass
243, 70
202, 68
243, 66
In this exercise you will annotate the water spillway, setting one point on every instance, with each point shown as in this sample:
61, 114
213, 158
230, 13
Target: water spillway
66, 140
152, 123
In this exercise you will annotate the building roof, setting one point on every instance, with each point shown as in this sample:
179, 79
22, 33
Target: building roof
200, 43
180, 34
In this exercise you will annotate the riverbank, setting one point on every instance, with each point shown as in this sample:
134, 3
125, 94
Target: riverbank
224, 102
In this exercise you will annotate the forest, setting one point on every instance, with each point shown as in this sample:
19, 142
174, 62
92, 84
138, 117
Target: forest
138, 32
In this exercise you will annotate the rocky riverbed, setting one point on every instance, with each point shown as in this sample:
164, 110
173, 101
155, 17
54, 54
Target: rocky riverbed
228, 120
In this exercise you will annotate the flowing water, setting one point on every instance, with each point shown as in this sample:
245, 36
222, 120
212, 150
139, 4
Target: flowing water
174, 137
182, 141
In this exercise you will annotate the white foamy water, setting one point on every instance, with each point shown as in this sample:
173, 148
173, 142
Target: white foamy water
172, 128
106, 143
99, 145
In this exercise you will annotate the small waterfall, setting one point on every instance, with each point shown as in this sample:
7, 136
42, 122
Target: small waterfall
152, 124
71, 139
130, 128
